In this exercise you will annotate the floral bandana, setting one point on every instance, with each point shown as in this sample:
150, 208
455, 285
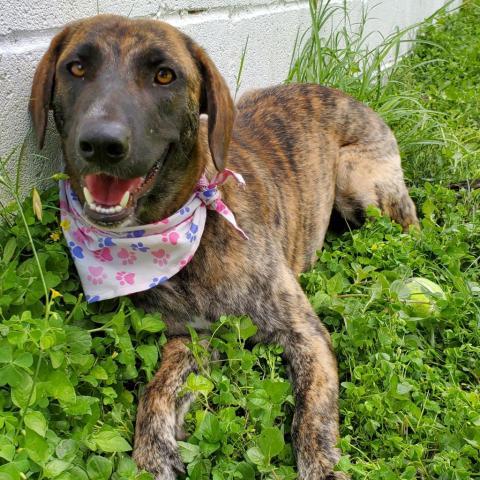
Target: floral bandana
120, 261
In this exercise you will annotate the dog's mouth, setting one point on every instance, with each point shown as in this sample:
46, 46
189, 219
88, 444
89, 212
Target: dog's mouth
111, 200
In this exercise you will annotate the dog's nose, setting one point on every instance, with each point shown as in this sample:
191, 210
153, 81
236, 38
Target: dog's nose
106, 142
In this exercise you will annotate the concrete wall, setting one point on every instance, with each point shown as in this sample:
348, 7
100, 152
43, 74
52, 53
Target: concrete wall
221, 26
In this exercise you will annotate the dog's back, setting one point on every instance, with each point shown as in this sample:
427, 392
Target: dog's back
305, 150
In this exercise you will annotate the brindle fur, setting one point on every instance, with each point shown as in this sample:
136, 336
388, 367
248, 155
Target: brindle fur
304, 150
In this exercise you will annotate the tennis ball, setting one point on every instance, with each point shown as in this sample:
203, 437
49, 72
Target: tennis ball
419, 296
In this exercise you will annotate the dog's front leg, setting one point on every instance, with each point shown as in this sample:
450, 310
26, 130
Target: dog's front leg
315, 423
160, 413
307, 347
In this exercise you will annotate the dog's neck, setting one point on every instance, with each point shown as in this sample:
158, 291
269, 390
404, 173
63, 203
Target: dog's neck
167, 246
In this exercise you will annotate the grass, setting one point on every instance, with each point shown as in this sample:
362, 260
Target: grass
428, 98
71, 373
448, 85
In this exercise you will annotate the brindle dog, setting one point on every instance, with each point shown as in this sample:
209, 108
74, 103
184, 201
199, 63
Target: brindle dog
127, 97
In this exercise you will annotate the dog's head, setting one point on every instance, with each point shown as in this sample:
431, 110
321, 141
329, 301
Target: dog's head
127, 96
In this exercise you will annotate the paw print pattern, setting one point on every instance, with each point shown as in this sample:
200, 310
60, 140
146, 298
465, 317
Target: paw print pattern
80, 235
135, 234
122, 261
161, 257
92, 298
127, 257
103, 255
139, 247
172, 238
125, 278
210, 192
185, 261
97, 275
106, 242
76, 250
158, 281
220, 207
192, 233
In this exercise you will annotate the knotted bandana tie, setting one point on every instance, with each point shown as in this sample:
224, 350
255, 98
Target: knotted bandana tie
124, 260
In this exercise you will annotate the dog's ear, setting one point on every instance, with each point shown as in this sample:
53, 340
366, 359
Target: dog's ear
43, 84
217, 103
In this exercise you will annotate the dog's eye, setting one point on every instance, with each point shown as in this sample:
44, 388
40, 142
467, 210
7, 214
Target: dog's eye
76, 69
165, 76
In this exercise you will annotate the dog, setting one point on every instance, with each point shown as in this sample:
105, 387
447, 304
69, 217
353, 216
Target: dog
127, 98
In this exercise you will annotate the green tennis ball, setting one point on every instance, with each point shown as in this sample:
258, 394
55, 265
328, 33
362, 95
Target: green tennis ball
419, 296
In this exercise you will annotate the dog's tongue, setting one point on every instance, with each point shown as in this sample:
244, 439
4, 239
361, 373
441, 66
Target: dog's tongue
108, 190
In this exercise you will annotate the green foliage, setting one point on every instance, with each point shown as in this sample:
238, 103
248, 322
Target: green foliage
444, 75
239, 428
68, 370
429, 98
71, 373
342, 51
409, 386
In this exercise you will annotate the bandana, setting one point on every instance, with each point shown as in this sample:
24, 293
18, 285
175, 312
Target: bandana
124, 260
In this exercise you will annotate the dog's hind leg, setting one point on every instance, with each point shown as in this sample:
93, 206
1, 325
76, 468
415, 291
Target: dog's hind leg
371, 174
161, 411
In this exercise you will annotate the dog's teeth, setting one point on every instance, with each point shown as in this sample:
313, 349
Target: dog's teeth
88, 196
106, 210
125, 198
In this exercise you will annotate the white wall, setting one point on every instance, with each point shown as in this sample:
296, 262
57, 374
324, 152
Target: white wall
221, 26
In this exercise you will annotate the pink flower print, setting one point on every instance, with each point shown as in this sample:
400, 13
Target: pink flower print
172, 238
97, 275
161, 257
125, 277
185, 261
127, 257
103, 255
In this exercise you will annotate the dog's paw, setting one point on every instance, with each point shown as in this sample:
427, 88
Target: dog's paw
158, 456
319, 471
319, 474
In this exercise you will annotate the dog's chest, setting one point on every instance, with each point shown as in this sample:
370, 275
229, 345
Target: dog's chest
221, 279
180, 306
